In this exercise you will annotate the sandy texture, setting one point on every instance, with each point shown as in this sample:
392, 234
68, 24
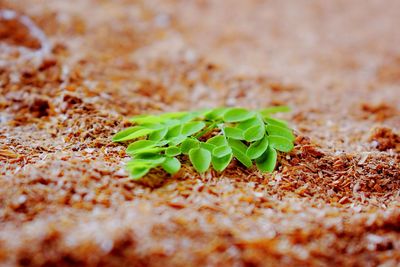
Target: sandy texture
71, 72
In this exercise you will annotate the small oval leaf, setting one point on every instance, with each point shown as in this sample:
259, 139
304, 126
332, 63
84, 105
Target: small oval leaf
238, 145
171, 123
174, 131
280, 143
221, 151
256, 149
244, 125
154, 126
238, 114
171, 165
220, 164
267, 162
136, 133
174, 115
207, 146
254, 133
234, 133
124, 133
158, 134
200, 158
190, 116
145, 162
239, 151
141, 144
242, 157
149, 157
273, 110
177, 140
142, 119
218, 140
151, 150
216, 113
188, 144
276, 122
193, 127
277, 130
138, 172
172, 151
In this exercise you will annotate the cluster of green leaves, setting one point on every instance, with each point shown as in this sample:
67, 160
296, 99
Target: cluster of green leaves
210, 137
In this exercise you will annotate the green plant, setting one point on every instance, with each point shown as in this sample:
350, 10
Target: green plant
207, 137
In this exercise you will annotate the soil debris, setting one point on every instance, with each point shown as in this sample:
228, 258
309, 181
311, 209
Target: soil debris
70, 81
385, 138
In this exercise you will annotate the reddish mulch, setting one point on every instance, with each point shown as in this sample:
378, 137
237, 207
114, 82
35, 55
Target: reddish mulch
69, 80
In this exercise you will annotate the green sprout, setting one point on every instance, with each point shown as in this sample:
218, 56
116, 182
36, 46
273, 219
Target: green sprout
211, 137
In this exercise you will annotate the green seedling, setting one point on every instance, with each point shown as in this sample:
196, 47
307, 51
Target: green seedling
208, 138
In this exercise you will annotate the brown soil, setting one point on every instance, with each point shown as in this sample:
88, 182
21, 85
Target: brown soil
65, 198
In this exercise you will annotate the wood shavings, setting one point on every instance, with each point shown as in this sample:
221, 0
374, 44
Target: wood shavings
69, 81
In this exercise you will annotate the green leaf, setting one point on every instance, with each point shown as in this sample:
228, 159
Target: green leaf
206, 130
239, 151
237, 144
220, 164
154, 126
254, 133
273, 110
238, 114
158, 134
138, 172
280, 131
221, 151
280, 143
140, 145
200, 158
171, 123
207, 146
218, 140
242, 157
137, 134
188, 144
151, 150
267, 162
276, 122
131, 133
124, 133
205, 111
162, 143
256, 149
154, 157
174, 115
216, 113
192, 127
172, 151
174, 131
233, 133
150, 162
244, 125
171, 165
177, 140
142, 119
190, 116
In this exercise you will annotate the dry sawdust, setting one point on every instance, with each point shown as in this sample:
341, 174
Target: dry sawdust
71, 73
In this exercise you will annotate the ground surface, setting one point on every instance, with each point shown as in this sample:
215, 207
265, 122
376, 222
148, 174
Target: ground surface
72, 74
